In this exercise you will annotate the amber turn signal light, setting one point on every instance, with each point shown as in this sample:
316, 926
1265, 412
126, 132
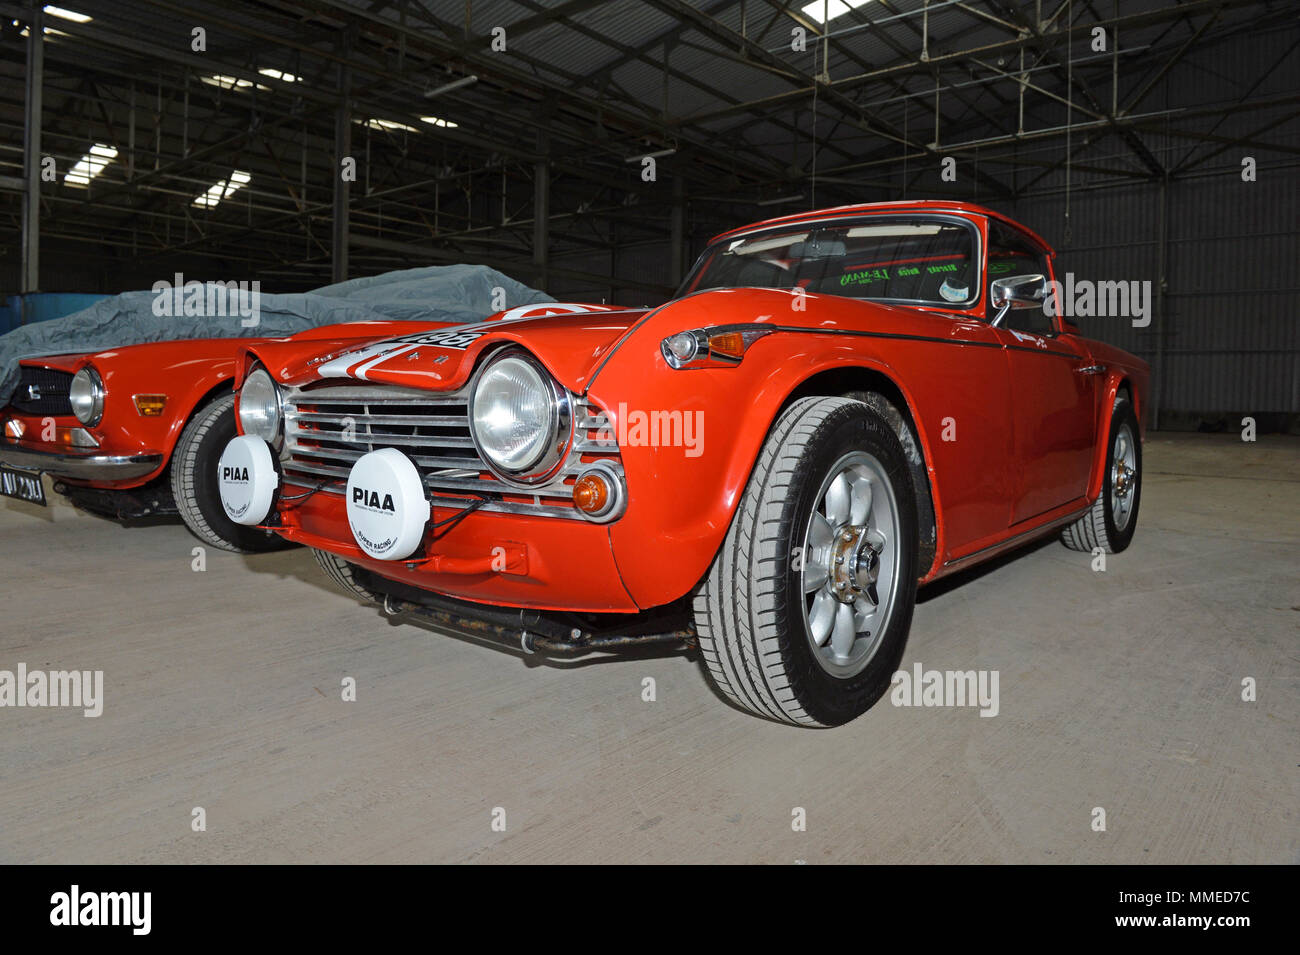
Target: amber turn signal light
591, 493
149, 406
731, 344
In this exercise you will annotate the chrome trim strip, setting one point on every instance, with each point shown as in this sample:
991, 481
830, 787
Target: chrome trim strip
1043, 528
81, 467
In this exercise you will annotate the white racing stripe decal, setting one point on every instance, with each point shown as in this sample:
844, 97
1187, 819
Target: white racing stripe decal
360, 371
338, 367
355, 364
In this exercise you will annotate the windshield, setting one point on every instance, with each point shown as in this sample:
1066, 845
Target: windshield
926, 261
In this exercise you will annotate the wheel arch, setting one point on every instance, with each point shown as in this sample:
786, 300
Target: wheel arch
1117, 384
854, 381
223, 384
748, 401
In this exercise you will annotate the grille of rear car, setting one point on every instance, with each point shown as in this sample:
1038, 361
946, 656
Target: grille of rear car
42, 391
328, 426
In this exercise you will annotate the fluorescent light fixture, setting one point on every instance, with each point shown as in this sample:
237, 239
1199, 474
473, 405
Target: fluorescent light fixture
823, 11
72, 15
223, 190
436, 121
655, 155
453, 85
280, 75
90, 165
45, 31
231, 82
387, 125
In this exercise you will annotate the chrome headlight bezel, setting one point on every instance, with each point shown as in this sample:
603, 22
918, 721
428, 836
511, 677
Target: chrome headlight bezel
558, 428
86, 396
261, 414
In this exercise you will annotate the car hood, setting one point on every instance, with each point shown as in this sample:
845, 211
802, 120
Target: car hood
569, 339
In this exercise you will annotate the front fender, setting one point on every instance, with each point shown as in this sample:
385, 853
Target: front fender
689, 440
1121, 369
186, 372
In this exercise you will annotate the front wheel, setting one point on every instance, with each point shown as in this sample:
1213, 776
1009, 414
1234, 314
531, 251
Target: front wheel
804, 614
1112, 519
343, 575
194, 482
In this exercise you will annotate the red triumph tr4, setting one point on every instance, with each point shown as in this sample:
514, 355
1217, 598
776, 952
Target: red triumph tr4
136, 431
836, 407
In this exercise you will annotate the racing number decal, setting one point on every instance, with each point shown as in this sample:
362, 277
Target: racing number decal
452, 338
355, 364
466, 335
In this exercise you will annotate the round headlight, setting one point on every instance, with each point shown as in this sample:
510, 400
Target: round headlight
517, 413
259, 407
86, 395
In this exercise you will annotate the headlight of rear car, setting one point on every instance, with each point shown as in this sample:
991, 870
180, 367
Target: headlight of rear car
519, 417
87, 396
259, 406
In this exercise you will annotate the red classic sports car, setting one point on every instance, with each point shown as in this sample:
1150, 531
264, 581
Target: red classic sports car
837, 406
134, 431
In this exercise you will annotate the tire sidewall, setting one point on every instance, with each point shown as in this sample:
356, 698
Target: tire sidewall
828, 699
203, 481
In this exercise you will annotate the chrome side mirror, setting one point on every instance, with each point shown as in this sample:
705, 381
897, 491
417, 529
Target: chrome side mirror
1017, 291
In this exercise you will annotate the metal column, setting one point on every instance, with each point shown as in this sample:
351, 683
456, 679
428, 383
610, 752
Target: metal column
677, 242
31, 277
339, 232
542, 212
1162, 304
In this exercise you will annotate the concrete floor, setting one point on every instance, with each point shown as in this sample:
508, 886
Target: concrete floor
1119, 690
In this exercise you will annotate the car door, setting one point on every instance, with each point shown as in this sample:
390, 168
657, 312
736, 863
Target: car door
1053, 389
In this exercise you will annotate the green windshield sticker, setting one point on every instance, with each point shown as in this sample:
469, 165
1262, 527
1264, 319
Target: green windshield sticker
865, 277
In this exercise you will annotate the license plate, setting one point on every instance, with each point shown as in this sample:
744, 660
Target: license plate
23, 485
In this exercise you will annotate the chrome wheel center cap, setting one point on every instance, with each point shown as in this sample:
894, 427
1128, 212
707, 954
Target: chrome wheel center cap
1121, 485
855, 565
866, 565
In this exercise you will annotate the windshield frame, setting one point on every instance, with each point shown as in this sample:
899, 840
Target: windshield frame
688, 286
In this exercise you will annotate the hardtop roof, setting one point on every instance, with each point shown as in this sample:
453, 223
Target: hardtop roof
906, 205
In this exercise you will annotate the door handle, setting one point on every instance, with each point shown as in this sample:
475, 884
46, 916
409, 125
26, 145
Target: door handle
1091, 369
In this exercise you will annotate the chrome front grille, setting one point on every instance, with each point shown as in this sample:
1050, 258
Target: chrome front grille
42, 391
328, 426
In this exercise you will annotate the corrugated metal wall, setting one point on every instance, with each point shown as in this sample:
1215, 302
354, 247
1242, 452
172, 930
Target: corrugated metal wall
1224, 338
1231, 334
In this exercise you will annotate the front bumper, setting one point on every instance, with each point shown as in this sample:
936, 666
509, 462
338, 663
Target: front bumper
80, 465
492, 558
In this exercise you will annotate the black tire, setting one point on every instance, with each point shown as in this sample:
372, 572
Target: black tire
1098, 528
340, 571
749, 610
194, 482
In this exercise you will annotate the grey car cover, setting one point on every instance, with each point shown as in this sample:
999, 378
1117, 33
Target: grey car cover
437, 293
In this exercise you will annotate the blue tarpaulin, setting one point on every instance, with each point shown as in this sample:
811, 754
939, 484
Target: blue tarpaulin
19, 310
